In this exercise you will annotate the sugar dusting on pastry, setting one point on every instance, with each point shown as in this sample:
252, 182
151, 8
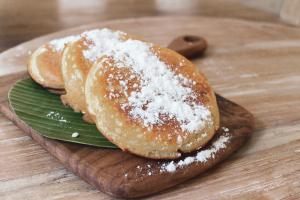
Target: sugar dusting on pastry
160, 92
103, 42
59, 44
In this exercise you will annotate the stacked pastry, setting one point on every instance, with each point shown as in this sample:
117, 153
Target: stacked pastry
146, 99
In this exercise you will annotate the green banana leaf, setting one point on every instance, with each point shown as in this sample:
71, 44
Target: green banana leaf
45, 113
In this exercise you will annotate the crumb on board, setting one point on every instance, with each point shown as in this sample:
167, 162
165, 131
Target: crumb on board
75, 135
225, 129
56, 116
201, 157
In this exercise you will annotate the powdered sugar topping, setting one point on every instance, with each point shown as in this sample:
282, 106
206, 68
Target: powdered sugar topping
59, 44
103, 41
162, 95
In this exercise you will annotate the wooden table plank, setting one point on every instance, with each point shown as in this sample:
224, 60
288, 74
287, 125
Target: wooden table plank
266, 183
24, 20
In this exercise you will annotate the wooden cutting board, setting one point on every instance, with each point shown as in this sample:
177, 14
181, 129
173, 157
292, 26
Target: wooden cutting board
124, 175
254, 64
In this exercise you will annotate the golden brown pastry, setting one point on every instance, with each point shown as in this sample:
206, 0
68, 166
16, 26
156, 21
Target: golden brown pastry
45, 63
146, 99
150, 100
77, 59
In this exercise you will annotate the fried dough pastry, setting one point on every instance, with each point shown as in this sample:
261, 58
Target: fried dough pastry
45, 63
150, 100
78, 57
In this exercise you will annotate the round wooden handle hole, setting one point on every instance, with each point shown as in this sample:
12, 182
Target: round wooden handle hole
191, 39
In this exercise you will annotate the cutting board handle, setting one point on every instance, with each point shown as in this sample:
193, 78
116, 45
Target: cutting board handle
190, 46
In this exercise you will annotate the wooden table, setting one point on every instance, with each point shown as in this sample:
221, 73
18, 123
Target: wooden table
24, 20
28, 172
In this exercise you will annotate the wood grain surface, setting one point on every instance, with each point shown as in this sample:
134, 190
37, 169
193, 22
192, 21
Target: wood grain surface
253, 64
24, 20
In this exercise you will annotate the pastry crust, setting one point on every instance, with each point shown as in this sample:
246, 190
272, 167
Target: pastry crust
144, 98
109, 87
75, 67
44, 65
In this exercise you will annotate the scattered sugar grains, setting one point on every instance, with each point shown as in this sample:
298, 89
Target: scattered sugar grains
225, 129
161, 91
75, 134
59, 44
56, 116
201, 156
